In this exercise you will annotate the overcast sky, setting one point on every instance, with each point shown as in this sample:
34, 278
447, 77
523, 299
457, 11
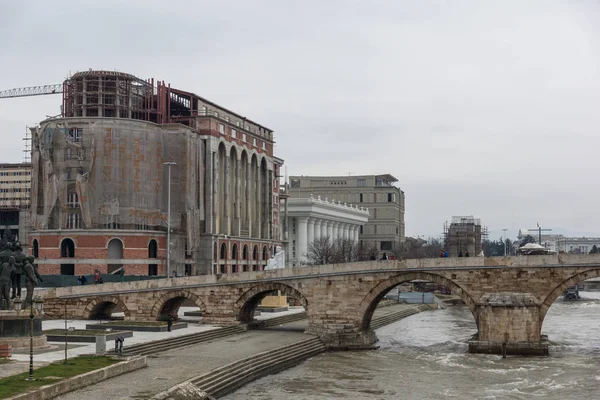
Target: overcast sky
488, 108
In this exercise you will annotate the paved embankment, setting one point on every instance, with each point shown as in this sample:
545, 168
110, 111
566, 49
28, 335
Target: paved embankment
170, 368
210, 362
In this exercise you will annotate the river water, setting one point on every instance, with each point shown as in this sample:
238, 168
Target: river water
425, 356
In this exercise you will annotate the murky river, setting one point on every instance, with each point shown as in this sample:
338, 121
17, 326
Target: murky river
425, 357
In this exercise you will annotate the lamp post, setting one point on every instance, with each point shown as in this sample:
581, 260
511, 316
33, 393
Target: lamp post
504, 230
30, 377
169, 164
38, 307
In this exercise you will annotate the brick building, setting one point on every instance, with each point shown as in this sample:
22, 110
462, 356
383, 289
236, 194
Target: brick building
104, 171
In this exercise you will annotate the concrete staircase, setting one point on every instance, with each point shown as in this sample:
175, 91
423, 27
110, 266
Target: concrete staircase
157, 346
384, 320
228, 378
285, 319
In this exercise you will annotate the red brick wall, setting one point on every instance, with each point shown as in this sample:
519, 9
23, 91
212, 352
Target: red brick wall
95, 247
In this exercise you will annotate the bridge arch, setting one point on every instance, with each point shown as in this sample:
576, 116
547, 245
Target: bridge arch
247, 303
369, 302
564, 285
169, 303
102, 307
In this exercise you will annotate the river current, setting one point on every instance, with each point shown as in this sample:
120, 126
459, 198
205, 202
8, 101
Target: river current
425, 356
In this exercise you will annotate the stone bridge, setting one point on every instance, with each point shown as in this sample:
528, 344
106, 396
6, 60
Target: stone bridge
508, 296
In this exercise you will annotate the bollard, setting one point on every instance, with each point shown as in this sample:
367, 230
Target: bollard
100, 345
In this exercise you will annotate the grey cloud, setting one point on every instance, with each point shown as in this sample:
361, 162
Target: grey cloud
463, 101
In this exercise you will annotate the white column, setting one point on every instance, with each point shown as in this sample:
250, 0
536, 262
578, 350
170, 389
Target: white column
356, 232
335, 234
311, 230
324, 228
301, 238
330, 230
318, 223
346, 231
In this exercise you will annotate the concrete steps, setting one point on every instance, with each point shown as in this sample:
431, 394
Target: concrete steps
157, 346
285, 319
230, 377
384, 320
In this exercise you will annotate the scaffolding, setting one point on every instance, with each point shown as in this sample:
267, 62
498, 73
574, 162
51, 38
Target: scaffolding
463, 236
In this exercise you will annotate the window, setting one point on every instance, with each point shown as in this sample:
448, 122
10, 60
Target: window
361, 229
67, 153
243, 137
391, 197
361, 197
264, 145
74, 221
152, 249
295, 183
233, 134
68, 174
75, 134
72, 200
386, 245
222, 129
361, 182
253, 141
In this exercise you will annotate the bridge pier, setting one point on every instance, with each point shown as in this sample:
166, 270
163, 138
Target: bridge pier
509, 323
342, 335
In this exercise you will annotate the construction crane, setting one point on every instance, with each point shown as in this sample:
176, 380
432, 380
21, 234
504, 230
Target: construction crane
539, 230
32, 91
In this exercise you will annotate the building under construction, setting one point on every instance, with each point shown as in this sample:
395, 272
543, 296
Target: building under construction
103, 171
463, 236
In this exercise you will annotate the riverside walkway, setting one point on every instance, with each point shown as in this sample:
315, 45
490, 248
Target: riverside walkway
168, 369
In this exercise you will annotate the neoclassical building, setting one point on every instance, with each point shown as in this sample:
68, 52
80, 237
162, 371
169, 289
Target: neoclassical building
128, 158
312, 218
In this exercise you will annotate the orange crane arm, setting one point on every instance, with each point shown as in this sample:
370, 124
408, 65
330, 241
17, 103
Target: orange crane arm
32, 91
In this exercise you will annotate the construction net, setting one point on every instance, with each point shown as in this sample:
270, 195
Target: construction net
111, 174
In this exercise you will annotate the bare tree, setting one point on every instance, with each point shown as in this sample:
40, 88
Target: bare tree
320, 251
420, 248
344, 250
324, 251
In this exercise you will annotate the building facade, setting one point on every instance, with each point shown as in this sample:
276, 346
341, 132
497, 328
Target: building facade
577, 245
309, 219
130, 157
385, 227
15, 197
463, 236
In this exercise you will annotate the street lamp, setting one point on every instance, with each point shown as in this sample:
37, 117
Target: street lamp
39, 305
169, 164
504, 230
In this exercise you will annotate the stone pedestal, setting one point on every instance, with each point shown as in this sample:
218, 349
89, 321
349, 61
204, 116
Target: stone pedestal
15, 329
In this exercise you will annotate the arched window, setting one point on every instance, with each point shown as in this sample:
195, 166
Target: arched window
36, 248
152, 249
234, 252
264, 256
67, 248
115, 249
255, 253
245, 252
223, 251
